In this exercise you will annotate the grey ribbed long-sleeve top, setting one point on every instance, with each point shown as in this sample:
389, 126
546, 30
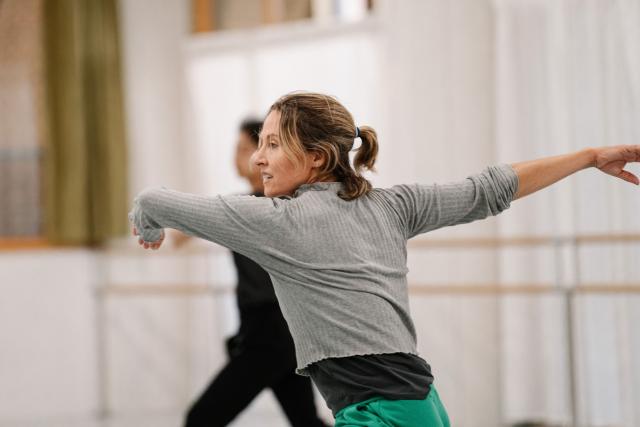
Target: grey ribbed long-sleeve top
338, 267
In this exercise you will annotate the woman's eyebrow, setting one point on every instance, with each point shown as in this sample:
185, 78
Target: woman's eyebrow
268, 136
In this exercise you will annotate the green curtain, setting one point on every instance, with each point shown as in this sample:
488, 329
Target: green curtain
85, 180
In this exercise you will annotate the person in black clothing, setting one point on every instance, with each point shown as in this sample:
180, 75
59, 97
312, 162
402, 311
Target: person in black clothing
261, 354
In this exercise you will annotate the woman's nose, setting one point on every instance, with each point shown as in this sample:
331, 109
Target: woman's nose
257, 158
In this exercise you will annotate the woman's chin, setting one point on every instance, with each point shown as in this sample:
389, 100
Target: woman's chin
270, 192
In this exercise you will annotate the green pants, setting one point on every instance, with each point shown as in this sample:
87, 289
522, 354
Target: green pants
379, 412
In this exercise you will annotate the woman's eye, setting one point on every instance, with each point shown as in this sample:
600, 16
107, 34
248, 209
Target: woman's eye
273, 145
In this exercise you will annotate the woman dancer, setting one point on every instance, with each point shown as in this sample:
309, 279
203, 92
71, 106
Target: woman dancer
262, 354
336, 249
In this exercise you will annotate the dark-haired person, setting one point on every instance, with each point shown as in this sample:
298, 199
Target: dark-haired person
335, 248
261, 354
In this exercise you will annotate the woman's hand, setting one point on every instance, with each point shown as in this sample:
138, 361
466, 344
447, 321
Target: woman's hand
155, 245
535, 175
612, 160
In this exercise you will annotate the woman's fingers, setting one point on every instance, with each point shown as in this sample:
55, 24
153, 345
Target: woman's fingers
149, 245
612, 160
154, 245
157, 244
629, 177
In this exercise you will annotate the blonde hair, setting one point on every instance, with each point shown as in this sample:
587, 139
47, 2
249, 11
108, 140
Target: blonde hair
313, 122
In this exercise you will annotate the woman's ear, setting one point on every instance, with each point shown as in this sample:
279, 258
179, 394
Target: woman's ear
317, 159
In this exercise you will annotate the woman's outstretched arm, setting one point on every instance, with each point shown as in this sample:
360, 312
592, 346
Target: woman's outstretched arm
535, 175
236, 222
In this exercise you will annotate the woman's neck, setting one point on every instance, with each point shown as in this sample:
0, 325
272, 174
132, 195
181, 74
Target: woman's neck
325, 178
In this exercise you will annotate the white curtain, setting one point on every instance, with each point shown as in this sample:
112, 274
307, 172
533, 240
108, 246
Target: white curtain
568, 77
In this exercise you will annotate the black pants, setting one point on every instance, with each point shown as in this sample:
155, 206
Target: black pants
261, 355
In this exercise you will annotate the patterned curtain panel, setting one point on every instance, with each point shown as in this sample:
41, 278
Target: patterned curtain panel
86, 183
20, 112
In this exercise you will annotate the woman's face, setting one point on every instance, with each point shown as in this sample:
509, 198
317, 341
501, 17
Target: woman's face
280, 176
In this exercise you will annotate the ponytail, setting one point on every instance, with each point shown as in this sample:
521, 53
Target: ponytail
368, 151
356, 185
